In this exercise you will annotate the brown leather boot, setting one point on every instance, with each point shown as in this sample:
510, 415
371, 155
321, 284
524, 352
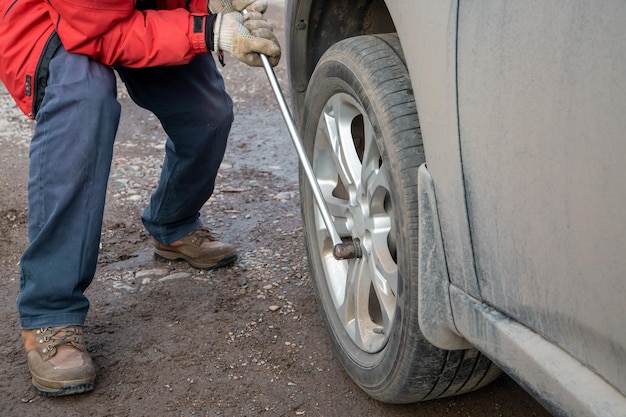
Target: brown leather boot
58, 360
200, 248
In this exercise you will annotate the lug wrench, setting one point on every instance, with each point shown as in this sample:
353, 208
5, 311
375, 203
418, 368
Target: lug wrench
341, 250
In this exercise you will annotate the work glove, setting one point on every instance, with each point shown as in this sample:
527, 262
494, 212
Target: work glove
225, 6
258, 26
230, 35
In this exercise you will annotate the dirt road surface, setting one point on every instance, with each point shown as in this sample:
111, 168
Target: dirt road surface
168, 340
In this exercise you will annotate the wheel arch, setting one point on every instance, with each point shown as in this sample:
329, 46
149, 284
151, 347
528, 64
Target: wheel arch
315, 25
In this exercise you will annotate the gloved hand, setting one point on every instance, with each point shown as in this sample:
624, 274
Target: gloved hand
258, 26
225, 6
230, 35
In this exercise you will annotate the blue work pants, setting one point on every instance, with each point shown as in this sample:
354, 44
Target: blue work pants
70, 161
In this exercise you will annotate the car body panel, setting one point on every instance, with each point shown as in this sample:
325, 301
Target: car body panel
564, 385
542, 100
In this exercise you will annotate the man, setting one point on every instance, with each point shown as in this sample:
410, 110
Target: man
57, 59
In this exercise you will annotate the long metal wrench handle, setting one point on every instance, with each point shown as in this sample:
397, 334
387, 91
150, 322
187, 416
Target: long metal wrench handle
341, 250
304, 161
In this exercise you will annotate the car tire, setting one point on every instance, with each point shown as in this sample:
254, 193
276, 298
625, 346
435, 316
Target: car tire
361, 132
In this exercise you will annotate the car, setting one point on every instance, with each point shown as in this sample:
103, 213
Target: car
474, 155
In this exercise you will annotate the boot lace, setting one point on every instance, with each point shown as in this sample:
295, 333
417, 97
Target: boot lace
203, 233
54, 337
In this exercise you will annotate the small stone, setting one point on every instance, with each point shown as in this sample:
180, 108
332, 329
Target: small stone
285, 195
176, 275
118, 285
273, 307
156, 272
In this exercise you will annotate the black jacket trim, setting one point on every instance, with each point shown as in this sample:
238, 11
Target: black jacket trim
41, 73
145, 5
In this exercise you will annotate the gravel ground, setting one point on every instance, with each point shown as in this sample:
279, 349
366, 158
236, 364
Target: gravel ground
169, 340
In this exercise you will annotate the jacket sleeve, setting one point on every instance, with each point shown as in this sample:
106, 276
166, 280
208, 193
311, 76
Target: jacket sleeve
114, 33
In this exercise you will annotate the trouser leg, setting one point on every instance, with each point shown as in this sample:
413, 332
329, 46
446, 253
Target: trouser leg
70, 160
196, 113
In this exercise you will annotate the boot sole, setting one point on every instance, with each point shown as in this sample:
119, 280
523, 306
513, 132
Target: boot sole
176, 256
71, 389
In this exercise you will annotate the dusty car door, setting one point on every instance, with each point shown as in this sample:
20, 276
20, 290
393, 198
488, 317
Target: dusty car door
541, 104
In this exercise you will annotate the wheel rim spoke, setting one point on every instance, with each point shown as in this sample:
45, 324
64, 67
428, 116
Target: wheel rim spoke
339, 210
364, 333
381, 229
347, 311
338, 116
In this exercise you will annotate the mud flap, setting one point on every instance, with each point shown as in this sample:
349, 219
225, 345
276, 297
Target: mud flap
434, 309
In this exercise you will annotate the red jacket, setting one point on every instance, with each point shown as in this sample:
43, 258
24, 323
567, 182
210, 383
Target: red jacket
112, 32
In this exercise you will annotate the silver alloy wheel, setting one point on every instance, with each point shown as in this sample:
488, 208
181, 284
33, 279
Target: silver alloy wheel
355, 184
